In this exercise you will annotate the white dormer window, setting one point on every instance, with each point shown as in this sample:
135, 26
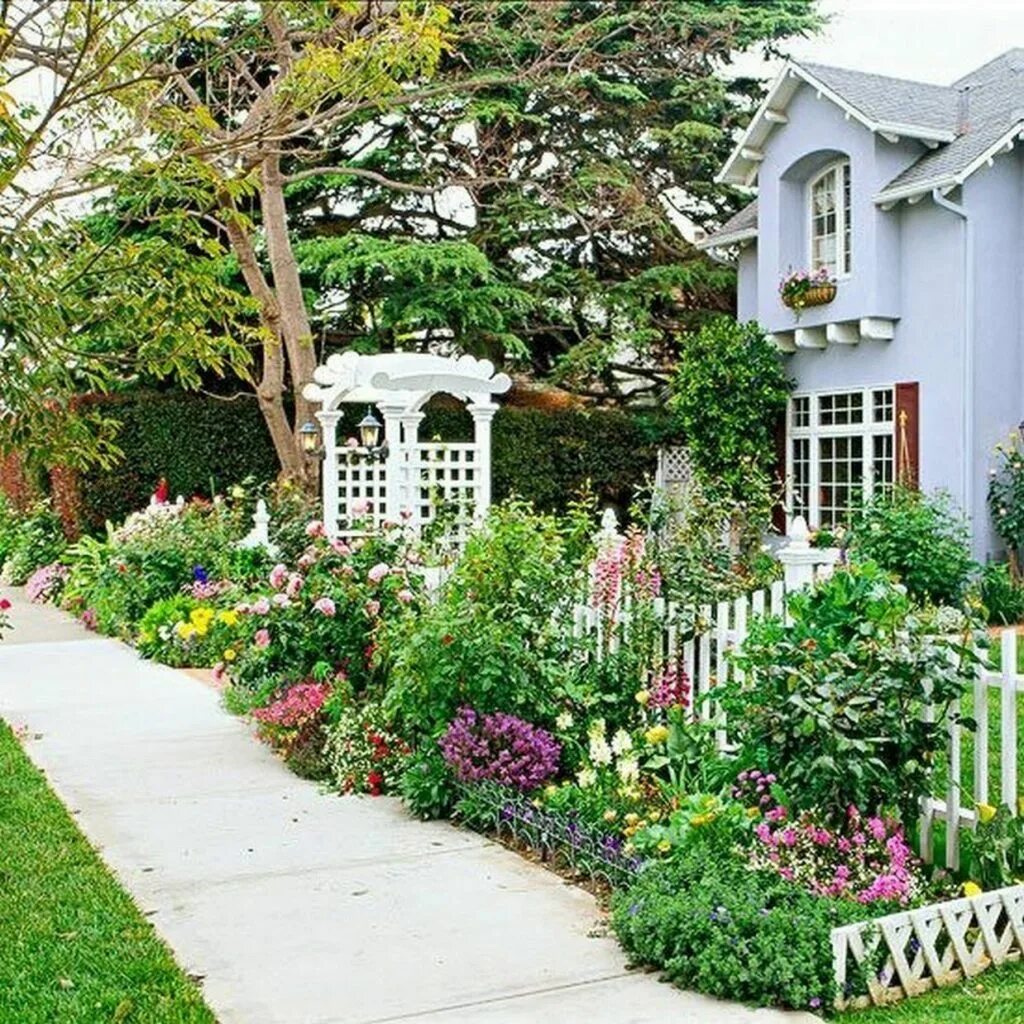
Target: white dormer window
829, 200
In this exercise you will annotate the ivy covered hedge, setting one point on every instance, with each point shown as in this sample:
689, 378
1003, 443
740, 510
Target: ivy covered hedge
199, 443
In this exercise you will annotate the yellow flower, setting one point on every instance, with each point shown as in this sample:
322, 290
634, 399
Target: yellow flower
656, 734
550, 791
664, 846
230, 654
642, 697
654, 816
753, 812
631, 818
611, 814
986, 812
972, 889
229, 617
701, 819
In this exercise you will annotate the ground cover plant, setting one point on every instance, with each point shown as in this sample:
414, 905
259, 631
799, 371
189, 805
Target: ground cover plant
73, 945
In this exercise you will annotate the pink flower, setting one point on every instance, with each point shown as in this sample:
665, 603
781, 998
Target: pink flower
339, 547
373, 608
325, 606
405, 595
378, 572
359, 507
218, 672
315, 528
306, 560
278, 576
406, 514
243, 608
281, 600
261, 606
295, 582
262, 638
351, 443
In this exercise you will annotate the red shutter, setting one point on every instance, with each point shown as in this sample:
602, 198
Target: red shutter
779, 523
908, 457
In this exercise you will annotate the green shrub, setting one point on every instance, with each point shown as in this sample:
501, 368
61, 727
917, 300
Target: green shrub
1006, 497
831, 702
728, 392
714, 926
1001, 595
426, 785
35, 539
921, 538
490, 640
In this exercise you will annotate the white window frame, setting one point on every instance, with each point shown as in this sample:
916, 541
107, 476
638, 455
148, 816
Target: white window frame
868, 430
841, 168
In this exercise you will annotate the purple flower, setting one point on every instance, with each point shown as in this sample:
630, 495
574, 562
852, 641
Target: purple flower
501, 748
199, 574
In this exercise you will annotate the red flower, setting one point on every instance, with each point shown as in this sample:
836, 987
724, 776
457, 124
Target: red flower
374, 781
447, 639
4, 604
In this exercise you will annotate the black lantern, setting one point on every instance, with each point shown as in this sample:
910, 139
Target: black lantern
309, 438
369, 431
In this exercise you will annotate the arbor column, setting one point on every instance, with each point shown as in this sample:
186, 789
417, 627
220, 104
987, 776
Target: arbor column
392, 413
483, 414
329, 477
410, 464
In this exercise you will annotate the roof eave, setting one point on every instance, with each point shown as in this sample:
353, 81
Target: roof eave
721, 241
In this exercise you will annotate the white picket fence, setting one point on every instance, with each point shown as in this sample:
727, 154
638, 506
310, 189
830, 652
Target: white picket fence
698, 640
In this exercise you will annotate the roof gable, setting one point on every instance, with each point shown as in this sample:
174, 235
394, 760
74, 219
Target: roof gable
891, 106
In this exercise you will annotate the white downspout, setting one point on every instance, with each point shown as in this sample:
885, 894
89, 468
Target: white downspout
967, 399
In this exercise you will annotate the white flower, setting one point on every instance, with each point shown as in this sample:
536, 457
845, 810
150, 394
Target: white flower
596, 729
600, 752
564, 721
586, 777
629, 769
621, 742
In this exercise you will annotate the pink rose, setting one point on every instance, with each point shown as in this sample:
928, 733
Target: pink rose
306, 560
278, 576
405, 595
373, 608
325, 606
242, 608
359, 507
262, 638
315, 528
352, 443
295, 582
378, 572
281, 600
262, 606
339, 547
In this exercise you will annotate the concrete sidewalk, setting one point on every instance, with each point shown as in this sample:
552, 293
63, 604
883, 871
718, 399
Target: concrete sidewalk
294, 906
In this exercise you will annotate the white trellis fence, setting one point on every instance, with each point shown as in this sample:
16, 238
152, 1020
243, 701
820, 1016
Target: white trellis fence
698, 640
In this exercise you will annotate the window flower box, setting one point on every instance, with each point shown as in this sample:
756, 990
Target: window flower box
912, 951
801, 288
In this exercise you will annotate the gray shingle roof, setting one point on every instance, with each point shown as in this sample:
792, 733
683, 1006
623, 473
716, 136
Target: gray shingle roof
891, 100
993, 102
742, 221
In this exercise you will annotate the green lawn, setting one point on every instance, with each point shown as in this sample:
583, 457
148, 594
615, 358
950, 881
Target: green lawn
73, 946
995, 997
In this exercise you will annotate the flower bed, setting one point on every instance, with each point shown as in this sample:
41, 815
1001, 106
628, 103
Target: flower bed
931, 946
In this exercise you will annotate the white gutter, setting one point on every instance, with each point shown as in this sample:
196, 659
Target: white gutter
967, 399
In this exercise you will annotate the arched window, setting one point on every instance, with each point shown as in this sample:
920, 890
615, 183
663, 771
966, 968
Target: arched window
829, 202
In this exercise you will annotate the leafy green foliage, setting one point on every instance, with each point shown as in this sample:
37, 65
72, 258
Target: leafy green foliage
29, 541
728, 391
711, 924
832, 702
426, 785
921, 538
490, 639
1001, 595
997, 847
1006, 496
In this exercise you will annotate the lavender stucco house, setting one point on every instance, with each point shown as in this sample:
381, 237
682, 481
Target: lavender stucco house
912, 196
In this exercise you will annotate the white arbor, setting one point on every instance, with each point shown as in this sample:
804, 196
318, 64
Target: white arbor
404, 476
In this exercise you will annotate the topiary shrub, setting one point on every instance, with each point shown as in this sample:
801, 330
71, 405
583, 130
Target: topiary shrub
921, 538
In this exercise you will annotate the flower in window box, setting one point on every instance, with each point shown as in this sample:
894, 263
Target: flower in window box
802, 288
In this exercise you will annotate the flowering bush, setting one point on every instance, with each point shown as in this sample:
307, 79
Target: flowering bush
46, 583
867, 859
5, 619
325, 609
363, 754
181, 631
32, 539
293, 722
500, 748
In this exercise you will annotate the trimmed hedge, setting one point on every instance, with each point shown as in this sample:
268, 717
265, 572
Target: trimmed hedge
201, 443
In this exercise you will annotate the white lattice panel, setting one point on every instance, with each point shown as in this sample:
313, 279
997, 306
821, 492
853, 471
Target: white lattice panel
910, 952
361, 480
448, 475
